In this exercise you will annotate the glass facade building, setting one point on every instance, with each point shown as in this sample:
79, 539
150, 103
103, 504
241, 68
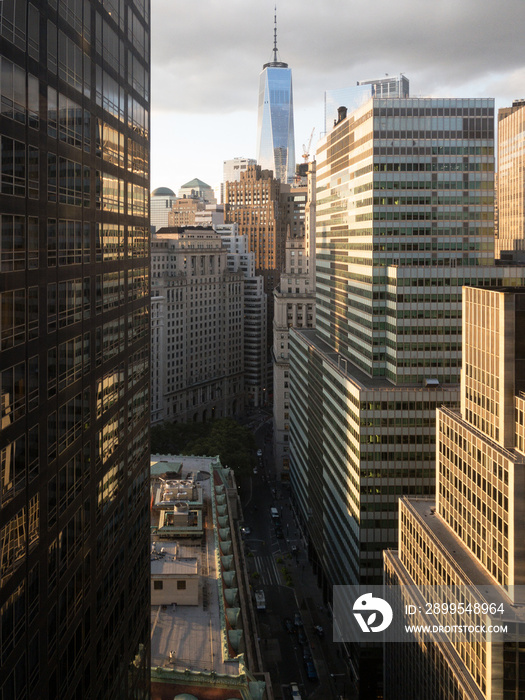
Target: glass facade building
74, 349
275, 126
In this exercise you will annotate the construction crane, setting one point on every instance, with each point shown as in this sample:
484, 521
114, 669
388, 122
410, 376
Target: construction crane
306, 149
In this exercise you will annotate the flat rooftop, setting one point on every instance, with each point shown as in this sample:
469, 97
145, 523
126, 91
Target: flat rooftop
473, 573
357, 376
192, 637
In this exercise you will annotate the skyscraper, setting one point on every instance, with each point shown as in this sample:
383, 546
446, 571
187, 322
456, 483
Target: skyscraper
470, 536
74, 350
275, 126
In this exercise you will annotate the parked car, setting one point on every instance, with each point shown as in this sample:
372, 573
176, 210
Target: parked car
288, 626
307, 653
259, 453
297, 620
255, 470
279, 532
319, 631
311, 672
301, 637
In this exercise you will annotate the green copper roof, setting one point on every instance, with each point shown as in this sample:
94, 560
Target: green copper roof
196, 183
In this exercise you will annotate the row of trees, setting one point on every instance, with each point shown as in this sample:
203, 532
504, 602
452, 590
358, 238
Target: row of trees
234, 444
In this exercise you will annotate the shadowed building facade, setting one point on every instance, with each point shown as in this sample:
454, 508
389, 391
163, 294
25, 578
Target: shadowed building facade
74, 350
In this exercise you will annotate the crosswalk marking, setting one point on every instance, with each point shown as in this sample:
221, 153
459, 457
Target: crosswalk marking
267, 570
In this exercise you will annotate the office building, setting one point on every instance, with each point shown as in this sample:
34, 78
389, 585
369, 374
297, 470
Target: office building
197, 371
160, 203
255, 315
275, 125
355, 96
469, 539
511, 180
294, 307
74, 350
232, 170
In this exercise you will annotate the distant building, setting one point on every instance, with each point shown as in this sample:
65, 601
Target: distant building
472, 535
294, 307
255, 312
197, 310
204, 639
232, 170
160, 203
511, 180
275, 123
197, 189
354, 97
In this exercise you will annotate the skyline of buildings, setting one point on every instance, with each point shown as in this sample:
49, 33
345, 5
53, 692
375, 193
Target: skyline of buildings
74, 350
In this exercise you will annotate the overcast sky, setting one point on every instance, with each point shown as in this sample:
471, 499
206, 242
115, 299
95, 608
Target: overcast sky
207, 57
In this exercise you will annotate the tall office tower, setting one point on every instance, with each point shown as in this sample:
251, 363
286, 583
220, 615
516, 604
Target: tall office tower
294, 307
197, 369
354, 97
402, 223
254, 203
160, 203
74, 350
275, 127
511, 180
255, 317
232, 170
471, 537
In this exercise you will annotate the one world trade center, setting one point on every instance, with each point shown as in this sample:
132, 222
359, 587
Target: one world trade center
275, 130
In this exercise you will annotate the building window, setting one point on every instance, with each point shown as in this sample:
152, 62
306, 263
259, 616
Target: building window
157, 585
181, 585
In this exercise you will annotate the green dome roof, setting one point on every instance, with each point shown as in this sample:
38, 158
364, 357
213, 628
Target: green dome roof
163, 192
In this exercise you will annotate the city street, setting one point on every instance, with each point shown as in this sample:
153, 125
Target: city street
277, 562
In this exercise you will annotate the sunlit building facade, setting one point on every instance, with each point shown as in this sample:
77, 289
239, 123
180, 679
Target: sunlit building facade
74, 350
471, 534
511, 180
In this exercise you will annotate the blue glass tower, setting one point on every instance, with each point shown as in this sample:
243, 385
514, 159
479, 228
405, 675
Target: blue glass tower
275, 130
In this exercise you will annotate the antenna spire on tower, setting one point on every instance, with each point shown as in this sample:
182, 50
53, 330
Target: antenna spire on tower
275, 34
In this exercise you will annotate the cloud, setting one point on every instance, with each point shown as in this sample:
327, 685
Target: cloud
206, 57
